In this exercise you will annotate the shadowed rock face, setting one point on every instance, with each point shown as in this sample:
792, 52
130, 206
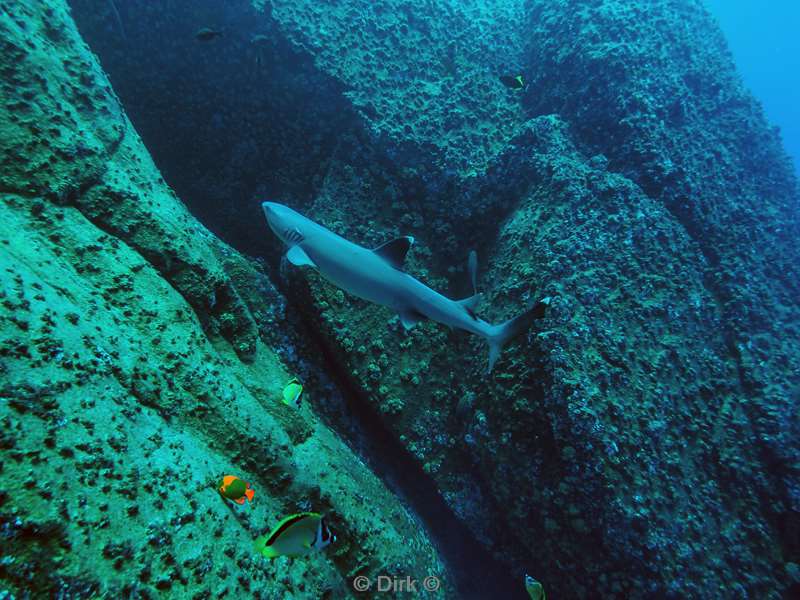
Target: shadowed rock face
421, 75
244, 115
655, 92
642, 440
139, 363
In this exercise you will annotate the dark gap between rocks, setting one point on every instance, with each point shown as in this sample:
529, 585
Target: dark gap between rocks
474, 571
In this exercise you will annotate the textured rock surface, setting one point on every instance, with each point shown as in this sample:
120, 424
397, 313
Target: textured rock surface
422, 75
696, 142
664, 389
642, 440
283, 119
137, 367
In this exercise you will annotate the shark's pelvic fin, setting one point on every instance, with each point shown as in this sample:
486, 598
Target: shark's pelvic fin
409, 318
298, 257
394, 252
471, 304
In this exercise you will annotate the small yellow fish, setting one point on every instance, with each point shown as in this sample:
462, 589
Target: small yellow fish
292, 393
515, 82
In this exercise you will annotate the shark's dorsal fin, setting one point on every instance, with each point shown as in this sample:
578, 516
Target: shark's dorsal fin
471, 304
394, 251
298, 257
409, 318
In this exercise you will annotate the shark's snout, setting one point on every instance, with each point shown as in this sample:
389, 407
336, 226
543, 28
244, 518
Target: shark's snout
269, 208
272, 213
280, 218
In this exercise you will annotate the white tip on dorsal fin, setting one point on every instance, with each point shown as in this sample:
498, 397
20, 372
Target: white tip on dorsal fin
298, 257
394, 251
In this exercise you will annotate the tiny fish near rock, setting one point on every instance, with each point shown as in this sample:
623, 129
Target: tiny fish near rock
206, 34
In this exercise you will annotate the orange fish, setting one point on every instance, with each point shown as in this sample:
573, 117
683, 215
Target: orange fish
235, 489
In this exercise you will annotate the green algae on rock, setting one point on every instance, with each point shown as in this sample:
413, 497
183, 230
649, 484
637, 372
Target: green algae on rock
136, 370
643, 441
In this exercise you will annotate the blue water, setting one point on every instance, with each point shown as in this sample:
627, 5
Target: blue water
764, 37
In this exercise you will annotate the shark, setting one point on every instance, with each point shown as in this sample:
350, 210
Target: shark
377, 275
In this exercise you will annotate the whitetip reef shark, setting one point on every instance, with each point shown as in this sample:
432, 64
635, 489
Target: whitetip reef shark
376, 276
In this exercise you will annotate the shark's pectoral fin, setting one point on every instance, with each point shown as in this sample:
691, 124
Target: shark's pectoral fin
409, 318
394, 252
298, 257
471, 304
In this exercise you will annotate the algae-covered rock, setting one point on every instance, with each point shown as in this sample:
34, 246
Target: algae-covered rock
606, 438
139, 365
426, 77
641, 440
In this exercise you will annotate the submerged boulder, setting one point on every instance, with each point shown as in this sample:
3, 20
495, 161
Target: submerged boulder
139, 363
656, 405
642, 440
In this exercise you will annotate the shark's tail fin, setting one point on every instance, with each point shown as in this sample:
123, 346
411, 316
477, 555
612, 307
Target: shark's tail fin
501, 334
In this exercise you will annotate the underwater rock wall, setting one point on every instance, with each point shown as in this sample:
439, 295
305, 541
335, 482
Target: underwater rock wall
641, 441
631, 437
242, 116
644, 441
615, 449
422, 75
651, 87
139, 363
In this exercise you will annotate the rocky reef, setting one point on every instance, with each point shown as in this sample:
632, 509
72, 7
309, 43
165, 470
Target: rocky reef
641, 441
139, 365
